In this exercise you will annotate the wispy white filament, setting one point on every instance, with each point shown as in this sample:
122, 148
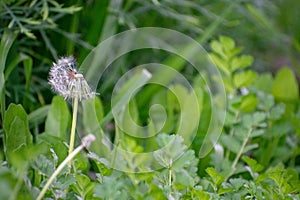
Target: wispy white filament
66, 81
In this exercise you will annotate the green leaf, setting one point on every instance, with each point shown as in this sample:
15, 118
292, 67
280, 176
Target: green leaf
241, 62
7, 40
244, 79
64, 181
38, 116
217, 178
44, 166
16, 128
27, 70
250, 147
82, 182
266, 101
285, 86
286, 179
185, 169
7, 182
227, 43
103, 165
220, 63
2, 81
257, 133
113, 187
218, 48
201, 194
173, 148
249, 103
264, 82
184, 178
231, 143
256, 167
14, 63
56, 143
187, 159
58, 118
237, 183
83, 186
277, 111
254, 120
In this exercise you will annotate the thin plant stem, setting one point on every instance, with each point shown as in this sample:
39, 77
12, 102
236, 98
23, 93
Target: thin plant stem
58, 170
239, 154
74, 120
170, 179
86, 141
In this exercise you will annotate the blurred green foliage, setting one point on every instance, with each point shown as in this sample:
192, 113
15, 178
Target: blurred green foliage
257, 155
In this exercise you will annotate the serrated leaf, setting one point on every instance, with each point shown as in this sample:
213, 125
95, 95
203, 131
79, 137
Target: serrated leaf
237, 183
43, 165
285, 86
172, 148
244, 79
286, 179
184, 178
64, 181
113, 187
58, 118
187, 159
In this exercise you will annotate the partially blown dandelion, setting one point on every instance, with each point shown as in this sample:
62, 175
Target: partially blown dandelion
66, 81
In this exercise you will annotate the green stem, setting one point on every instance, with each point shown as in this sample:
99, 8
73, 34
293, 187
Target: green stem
170, 179
238, 155
58, 170
231, 133
74, 119
86, 141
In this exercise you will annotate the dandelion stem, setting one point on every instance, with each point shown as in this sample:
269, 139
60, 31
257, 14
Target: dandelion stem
86, 141
74, 119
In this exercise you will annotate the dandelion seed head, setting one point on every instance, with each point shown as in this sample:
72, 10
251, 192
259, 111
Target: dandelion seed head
66, 81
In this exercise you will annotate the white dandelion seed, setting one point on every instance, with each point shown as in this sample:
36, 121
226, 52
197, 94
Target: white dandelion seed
66, 81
